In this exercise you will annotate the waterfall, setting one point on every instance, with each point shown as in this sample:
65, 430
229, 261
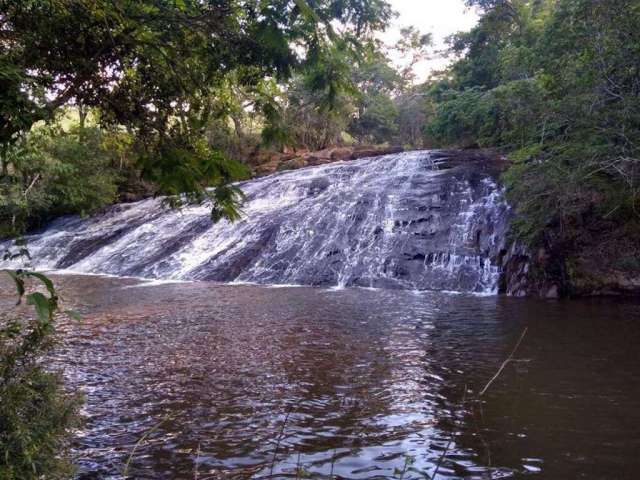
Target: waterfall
410, 220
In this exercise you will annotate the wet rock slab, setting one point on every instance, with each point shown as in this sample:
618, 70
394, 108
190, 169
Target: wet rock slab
415, 220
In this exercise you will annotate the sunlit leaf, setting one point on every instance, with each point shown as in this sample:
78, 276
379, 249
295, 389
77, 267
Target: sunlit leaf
45, 280
41, 304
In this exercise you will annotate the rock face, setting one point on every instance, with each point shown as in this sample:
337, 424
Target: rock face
266, 163
579, 269
417, 220
527, 274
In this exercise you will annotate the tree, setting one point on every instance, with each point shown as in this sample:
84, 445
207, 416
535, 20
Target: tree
376, 82
556, 85
157, 67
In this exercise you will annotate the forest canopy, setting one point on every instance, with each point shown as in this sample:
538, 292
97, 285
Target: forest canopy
162, 73
555, 84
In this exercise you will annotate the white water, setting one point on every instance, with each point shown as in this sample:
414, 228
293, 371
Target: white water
400, 221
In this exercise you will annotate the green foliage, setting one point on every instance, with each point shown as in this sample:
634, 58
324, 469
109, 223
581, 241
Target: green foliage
192, 171
53, 172
36, 415
464, 118
351, 91
316, 106
555, 84
162, 70
377, 121
375, 115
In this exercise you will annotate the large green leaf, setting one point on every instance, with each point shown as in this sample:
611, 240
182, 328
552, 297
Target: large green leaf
41, 304
45, 280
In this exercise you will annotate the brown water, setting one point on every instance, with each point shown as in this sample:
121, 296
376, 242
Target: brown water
256, 382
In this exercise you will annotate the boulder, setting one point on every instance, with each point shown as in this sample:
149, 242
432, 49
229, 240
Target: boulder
293, 164
268, 162
375, 152
267, 168
341, 153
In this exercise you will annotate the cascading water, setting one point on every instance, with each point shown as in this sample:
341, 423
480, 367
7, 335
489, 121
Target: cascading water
401, 221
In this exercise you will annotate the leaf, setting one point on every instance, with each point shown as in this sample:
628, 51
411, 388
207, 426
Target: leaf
307, 11
41, 304
18, 281
46, 281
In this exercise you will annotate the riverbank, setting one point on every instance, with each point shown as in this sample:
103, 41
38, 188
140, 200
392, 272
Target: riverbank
603, 260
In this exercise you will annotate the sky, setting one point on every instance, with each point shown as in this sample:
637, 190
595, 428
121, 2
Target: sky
441, 18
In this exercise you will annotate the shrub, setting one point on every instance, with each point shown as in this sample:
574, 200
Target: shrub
36, 415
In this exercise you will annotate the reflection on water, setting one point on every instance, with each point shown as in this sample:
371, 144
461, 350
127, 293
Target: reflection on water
255, 382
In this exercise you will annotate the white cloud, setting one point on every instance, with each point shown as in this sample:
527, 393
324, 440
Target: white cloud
441, 18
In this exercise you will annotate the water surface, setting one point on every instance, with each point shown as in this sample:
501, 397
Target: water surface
257, 382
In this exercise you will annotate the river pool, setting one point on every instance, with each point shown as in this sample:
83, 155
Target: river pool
241, 381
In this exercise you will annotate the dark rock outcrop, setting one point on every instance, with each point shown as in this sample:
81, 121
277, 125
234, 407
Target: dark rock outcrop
597, 262
416, 220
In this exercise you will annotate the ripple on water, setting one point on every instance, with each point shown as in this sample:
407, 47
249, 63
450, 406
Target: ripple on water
251, 382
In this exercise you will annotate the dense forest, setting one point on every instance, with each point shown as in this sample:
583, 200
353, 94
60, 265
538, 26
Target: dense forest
115, 100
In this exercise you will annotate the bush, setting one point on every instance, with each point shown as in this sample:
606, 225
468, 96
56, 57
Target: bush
55, 172
36, 415
466, 118
35, 420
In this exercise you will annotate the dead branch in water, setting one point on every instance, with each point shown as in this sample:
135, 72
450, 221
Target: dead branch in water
195, 464
482, 392
504, 364
125, 472
275, 452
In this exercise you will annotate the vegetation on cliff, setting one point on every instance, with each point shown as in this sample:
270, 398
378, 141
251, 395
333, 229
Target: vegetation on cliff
555, 84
